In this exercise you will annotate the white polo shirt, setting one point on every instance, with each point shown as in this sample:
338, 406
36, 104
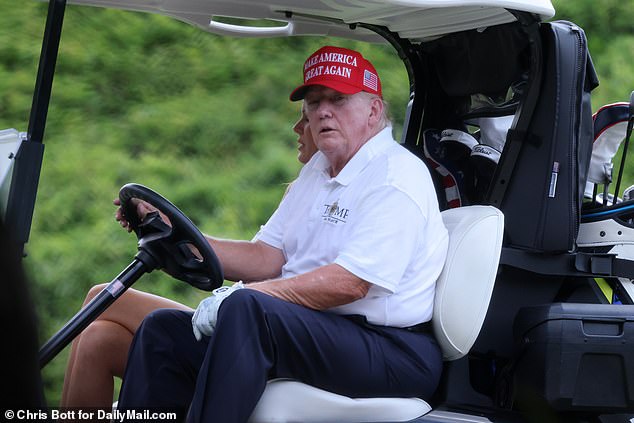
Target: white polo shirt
379, 219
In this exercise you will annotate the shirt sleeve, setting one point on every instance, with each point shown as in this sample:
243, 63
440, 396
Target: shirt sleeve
272, 231
384, 239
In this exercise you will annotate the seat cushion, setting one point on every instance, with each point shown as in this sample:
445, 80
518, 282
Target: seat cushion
286, 400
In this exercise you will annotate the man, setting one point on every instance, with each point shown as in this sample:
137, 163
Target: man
338, 285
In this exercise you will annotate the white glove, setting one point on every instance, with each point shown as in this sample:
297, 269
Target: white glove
204, 319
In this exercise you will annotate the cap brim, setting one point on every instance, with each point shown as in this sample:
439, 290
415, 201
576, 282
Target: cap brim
300, 92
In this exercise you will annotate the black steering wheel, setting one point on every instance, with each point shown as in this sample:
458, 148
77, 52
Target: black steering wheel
166, 247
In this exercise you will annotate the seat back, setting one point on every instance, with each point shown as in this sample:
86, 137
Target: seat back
464, 288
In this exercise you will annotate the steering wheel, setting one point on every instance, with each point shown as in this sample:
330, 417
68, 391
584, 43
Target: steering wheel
166, 247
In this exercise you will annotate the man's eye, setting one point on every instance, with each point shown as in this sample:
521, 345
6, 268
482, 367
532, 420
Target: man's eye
339, 99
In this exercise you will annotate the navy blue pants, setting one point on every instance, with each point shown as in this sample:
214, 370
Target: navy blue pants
258, 337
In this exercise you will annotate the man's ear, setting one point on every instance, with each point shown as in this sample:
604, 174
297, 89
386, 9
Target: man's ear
376, 110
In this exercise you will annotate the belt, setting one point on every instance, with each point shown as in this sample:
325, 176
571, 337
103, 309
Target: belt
425, 327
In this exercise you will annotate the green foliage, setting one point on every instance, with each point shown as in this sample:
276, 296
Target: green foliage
202, 119
609, 27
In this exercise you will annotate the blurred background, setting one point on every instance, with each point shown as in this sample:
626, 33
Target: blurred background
202, 119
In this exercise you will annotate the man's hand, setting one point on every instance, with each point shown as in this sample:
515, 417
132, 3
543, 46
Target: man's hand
206, 315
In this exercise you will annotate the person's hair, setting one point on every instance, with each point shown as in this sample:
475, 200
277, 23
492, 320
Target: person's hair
385, 116
386, 120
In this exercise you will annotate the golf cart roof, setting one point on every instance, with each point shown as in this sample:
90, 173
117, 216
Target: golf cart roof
415, 20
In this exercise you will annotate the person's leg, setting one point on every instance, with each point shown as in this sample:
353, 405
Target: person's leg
67, 400
163, 363
259, 337
100, 352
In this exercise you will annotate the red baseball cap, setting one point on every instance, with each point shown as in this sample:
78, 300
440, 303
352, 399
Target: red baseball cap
341, 69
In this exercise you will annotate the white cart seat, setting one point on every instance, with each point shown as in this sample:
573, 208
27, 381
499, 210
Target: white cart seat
463, 293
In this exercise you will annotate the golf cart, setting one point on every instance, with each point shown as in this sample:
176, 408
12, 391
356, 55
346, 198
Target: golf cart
500, 112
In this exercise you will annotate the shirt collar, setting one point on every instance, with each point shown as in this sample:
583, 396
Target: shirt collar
372, 148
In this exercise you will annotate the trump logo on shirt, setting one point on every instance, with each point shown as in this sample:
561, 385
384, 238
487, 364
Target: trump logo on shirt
335, 214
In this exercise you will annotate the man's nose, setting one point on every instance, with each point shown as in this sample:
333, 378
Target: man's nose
324, 109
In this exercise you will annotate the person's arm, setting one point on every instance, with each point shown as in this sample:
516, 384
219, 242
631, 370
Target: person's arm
240, 260
247, 260
325, 287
